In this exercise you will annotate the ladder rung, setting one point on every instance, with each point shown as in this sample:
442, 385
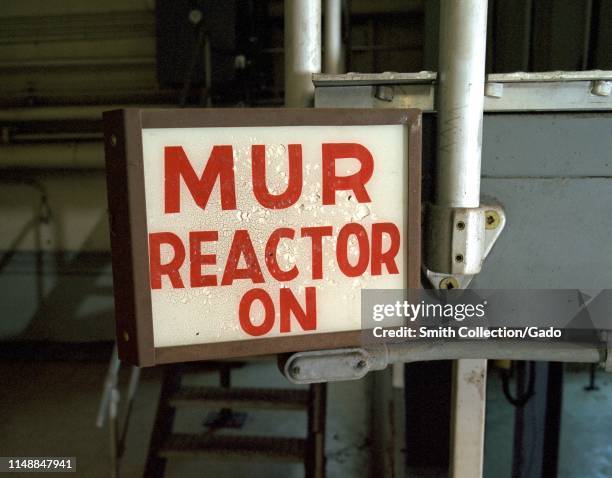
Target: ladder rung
235, 447
241, 398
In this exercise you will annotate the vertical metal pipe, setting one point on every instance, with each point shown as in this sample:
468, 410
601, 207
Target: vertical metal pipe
333, 37
302, 50
468, 421
461, 77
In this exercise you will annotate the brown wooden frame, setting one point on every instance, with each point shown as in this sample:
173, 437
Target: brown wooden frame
128, 223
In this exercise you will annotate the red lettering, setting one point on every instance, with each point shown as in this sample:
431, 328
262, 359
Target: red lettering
354, 182
197, 259
388, 257
316, 235
294, 186
357, 230
244, 312
271, 262
171, 269
220, 165
290, 305
242, 246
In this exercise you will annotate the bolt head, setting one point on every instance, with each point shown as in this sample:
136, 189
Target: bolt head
602, 88
449, 283
492, 219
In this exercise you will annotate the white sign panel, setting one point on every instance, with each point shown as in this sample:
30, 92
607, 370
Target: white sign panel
260, 232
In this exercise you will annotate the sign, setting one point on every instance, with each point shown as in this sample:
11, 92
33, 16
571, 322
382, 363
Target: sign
239, 232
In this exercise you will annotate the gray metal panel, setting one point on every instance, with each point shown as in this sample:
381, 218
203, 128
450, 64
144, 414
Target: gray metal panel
553, 173
547, 145
558, 234
345, 97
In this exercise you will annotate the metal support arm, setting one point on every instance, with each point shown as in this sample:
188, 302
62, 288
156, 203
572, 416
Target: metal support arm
355, 363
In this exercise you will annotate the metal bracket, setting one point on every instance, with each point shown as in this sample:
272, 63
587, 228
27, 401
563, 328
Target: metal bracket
457, 242
355, 363
333, 365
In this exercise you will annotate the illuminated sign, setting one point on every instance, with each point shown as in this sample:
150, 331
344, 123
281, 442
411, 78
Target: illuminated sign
249, 231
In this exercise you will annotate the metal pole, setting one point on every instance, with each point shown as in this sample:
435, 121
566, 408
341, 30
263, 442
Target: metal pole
461, 78
468, 401
334, 59
302, 50
355, 363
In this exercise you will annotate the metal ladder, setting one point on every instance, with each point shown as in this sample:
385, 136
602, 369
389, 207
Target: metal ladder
167, 444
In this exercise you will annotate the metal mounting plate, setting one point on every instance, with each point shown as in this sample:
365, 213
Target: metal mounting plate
471, 234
